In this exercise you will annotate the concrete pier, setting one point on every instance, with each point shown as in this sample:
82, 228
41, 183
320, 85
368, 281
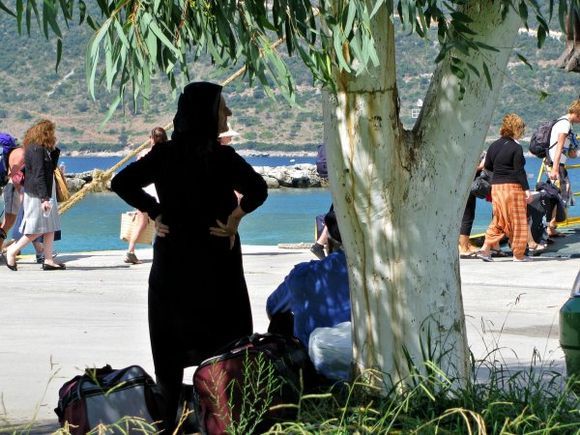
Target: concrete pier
54, 324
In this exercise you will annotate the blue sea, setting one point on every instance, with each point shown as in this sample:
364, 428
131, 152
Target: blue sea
286, 217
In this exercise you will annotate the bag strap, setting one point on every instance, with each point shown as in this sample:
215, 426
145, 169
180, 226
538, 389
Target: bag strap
557, 121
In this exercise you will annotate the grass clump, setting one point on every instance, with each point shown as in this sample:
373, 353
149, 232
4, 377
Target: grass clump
531, 401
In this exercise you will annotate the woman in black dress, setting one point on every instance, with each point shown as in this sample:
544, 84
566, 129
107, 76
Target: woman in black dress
198, 300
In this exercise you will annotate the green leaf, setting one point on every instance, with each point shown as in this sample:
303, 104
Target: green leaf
473, 68
462, 28
458, 72
112, 108
19, 10
563, 14
523, 12
460, 16
49, 19
486, 47
121, 33
487, 75
159, 33
541, 36
337, 40
92, 59
5, 9
350, 18
524, 60
58, 54
109, 70
82, 11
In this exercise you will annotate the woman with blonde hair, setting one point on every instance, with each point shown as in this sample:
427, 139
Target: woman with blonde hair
40, 210
510, 191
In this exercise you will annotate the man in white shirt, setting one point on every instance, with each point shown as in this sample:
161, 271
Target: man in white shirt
559, 152
560, 140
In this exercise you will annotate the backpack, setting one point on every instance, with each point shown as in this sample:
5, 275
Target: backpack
7, 144
540, 141
125, 397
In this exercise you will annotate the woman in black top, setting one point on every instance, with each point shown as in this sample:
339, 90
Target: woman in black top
509, 190
198, 300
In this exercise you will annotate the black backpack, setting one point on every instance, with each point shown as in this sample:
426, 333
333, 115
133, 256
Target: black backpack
540, 141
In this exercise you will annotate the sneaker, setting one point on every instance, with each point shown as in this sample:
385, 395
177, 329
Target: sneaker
131, 258
485, 257
40, 257
318, 250
523, 259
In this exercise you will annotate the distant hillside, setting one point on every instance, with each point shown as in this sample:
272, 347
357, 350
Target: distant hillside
30, 88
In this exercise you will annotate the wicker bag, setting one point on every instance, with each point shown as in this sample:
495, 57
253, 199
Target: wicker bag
62, 193
129, 223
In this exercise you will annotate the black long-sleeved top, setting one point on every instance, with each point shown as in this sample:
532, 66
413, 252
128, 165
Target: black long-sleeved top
505, 158
206, 187
39, 164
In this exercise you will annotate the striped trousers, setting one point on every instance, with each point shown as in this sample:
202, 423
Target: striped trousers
509, 217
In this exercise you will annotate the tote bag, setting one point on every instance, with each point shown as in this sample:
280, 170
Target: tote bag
62, 193
129, 224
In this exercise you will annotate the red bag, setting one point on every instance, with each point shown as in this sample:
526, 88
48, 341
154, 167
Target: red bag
240, 386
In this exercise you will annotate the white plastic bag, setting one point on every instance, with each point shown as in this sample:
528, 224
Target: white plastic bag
330, 350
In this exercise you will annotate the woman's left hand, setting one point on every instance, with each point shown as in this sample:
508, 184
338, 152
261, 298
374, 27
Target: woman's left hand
161, 230
229, 229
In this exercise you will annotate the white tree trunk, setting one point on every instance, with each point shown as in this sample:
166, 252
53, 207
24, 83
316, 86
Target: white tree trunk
399, 196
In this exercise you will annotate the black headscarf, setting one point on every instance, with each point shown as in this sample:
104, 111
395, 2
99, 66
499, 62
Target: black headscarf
196, 120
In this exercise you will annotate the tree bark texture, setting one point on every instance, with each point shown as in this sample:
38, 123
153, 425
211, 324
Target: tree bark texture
399, 196
570, 58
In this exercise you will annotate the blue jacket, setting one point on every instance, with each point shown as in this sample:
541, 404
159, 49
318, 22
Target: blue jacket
316, 292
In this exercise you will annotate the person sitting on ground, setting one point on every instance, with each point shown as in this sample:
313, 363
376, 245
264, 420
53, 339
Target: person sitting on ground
318, 248
316, 293
509, 190
158, 135
321, 245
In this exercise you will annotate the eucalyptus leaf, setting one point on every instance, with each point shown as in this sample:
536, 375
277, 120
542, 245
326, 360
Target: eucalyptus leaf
524, 60
58, 54
6, 9
541, 36
487, 75
352, 11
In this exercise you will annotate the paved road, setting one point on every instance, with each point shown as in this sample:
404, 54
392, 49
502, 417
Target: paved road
55, 324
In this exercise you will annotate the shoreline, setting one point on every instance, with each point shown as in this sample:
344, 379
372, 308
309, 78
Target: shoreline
241, 152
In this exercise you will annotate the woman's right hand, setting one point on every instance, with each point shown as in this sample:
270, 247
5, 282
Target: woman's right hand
46, 206
161, 230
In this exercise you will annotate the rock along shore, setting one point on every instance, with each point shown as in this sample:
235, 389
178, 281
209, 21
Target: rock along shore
301, 175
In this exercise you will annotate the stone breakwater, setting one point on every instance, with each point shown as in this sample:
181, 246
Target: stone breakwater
302, 175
